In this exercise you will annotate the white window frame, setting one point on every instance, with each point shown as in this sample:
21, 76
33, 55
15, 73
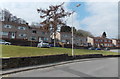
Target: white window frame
21, 28
22, 35
8, 26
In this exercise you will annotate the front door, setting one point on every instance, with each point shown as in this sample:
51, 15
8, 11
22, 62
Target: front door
12, 35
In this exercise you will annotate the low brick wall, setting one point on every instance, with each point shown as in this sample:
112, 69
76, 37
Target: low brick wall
16, 62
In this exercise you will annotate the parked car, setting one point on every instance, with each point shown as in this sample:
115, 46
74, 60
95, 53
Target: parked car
98, 49
91, 48
106, 48
4, 42
43, 44
51, 45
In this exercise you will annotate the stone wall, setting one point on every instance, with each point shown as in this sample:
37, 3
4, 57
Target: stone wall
16, 62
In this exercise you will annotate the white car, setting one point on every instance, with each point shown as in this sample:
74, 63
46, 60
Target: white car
44, 45
4, 42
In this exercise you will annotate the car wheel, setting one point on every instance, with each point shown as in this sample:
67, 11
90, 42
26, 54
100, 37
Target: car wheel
7, 44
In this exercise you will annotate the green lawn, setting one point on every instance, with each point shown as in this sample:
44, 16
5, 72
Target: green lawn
21, 51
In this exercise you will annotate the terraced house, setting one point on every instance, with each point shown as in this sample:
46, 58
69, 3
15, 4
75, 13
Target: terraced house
103, 41
18, 29
100, 42
13, 30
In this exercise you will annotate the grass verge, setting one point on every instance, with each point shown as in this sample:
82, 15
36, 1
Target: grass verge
22, 51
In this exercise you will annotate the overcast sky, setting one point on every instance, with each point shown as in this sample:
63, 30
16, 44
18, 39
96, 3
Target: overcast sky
93, 16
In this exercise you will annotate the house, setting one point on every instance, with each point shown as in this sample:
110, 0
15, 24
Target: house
102, 41
80, 40
12, 30
116, 42
16, 28
99, 42
66, 38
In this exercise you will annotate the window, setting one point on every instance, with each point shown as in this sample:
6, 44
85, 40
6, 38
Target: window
42, 38
34, 31
96, 40
7, 26
43, 33
45, 39
22, 35
21, 28
109, 40
4, 33
33, 38
105, 40
63, 40
65, 36
101, 40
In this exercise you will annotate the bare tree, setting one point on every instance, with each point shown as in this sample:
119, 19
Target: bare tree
53, 18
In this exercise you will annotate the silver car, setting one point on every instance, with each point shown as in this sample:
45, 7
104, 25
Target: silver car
44, 45
4, 42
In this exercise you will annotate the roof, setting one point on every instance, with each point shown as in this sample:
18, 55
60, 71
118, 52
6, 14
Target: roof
100, 38
14, 23
116, 39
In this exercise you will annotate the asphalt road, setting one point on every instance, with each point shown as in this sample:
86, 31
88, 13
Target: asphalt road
104, 67
116, 50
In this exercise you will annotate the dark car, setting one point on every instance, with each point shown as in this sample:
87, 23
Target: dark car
51, 45
91, 48
98, 49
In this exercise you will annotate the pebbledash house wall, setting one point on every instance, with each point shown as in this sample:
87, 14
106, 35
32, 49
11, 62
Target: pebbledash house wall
25, 33
116, 42
66, 38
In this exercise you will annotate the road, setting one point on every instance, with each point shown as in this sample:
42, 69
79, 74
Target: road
116, 50
103, 67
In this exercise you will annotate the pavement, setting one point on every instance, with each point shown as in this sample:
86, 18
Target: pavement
63, 69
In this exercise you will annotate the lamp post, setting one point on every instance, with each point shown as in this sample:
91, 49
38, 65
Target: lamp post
73, 31
72, 36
